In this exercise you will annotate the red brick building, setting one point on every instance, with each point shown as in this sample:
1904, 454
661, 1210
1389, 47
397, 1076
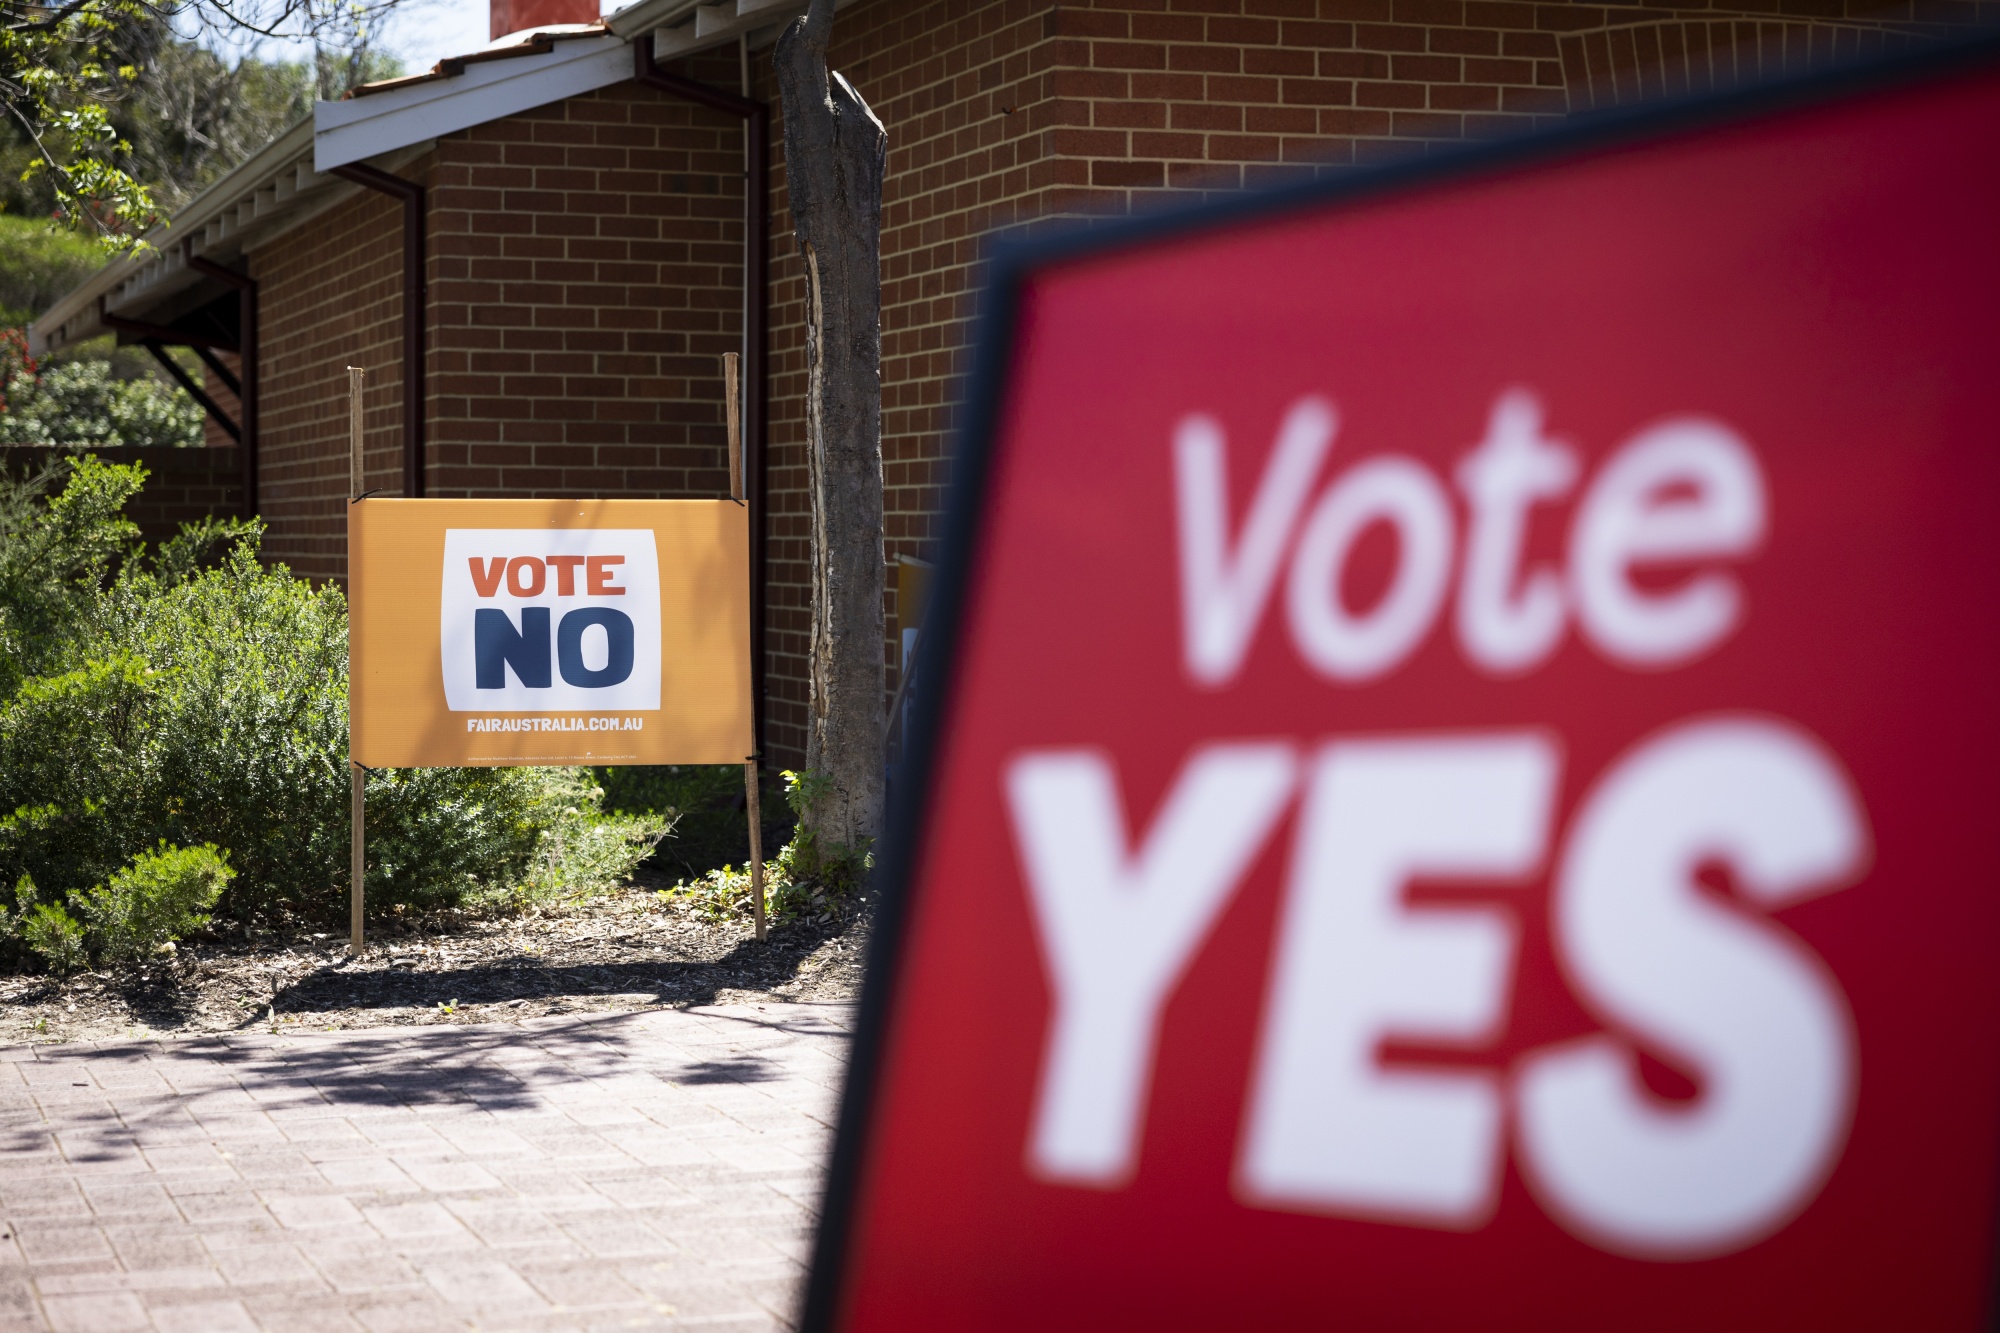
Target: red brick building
577, 251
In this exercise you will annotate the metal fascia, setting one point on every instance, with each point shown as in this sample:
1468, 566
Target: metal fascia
647, 15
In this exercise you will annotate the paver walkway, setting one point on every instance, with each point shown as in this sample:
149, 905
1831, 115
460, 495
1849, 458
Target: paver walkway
632, 1171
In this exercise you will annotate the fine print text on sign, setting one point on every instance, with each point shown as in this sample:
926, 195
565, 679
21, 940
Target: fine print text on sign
1464, 798
543, 631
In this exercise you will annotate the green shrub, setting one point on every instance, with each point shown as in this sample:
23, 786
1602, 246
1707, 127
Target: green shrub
78, 742
87, 404
195, 696
54, 934
161, 896
803, 882
706, 804
39, 261
57, 556
720, 894
838, 871
586, 852
441, 837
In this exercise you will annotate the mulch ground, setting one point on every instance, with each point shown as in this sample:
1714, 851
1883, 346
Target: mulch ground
628, 950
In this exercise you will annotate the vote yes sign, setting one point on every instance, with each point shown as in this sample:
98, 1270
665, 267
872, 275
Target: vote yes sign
549, 631
1464, 795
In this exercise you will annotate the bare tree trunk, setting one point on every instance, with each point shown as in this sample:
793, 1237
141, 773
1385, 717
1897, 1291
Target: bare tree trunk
835, 152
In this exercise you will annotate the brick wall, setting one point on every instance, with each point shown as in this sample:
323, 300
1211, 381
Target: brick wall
584, 274
585, 258
184, 485
330, 295
588, 277
1023, 113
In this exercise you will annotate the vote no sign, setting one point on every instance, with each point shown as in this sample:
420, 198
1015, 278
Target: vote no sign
549, 631
1464, 789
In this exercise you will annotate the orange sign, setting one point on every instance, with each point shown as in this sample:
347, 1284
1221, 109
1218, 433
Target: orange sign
548, 632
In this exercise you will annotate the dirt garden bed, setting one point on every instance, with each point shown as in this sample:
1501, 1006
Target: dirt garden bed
633, 949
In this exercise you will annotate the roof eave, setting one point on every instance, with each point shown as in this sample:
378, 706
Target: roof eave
361, 128
274, 191
45, 332
647, 15
261, 197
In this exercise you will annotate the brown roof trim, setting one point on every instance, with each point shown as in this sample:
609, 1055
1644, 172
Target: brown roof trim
532, 44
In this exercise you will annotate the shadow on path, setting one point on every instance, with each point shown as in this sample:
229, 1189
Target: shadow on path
300, 1077
748, 966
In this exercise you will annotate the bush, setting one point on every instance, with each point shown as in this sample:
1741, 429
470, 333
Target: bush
195, 697
803, 882
75, 767
54, 934
160, 896
57, 556
83, 404
839, 871
445, 837
705, 803
39, 262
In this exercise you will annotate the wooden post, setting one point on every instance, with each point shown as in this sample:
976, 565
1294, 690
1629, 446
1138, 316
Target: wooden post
357, 846
355, 374
733, 415
733, 412
357, 856
756, 844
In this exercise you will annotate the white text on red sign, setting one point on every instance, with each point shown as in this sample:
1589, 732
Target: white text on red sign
1328, 1129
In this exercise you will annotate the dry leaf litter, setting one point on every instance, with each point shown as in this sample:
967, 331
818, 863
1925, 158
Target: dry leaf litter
632, 949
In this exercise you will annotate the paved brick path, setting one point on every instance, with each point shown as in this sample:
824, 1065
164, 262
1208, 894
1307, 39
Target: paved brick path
634, 1171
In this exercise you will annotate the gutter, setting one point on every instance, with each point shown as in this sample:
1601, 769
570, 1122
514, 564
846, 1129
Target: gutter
275, 190
415, 297
756, 117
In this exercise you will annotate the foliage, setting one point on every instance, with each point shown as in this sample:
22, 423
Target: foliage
109, 103
38, 263
192, 696
85, 404
158, 897
803, 882
705, 803
14, 357
437, 835
56, 936
190, 116
101, 394
587, 852
723, 894
836, 868
56, 557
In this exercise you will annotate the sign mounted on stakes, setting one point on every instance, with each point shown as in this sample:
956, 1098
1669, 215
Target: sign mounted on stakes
549, 632
1460, 755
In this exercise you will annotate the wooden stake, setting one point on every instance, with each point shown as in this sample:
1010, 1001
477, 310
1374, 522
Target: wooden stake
355, 374
357, 844
756, 844
357, 857
733, 410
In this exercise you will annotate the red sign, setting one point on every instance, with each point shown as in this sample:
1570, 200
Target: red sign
1466, 795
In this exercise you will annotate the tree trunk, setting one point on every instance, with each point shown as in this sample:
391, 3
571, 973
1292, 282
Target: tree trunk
835, 153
